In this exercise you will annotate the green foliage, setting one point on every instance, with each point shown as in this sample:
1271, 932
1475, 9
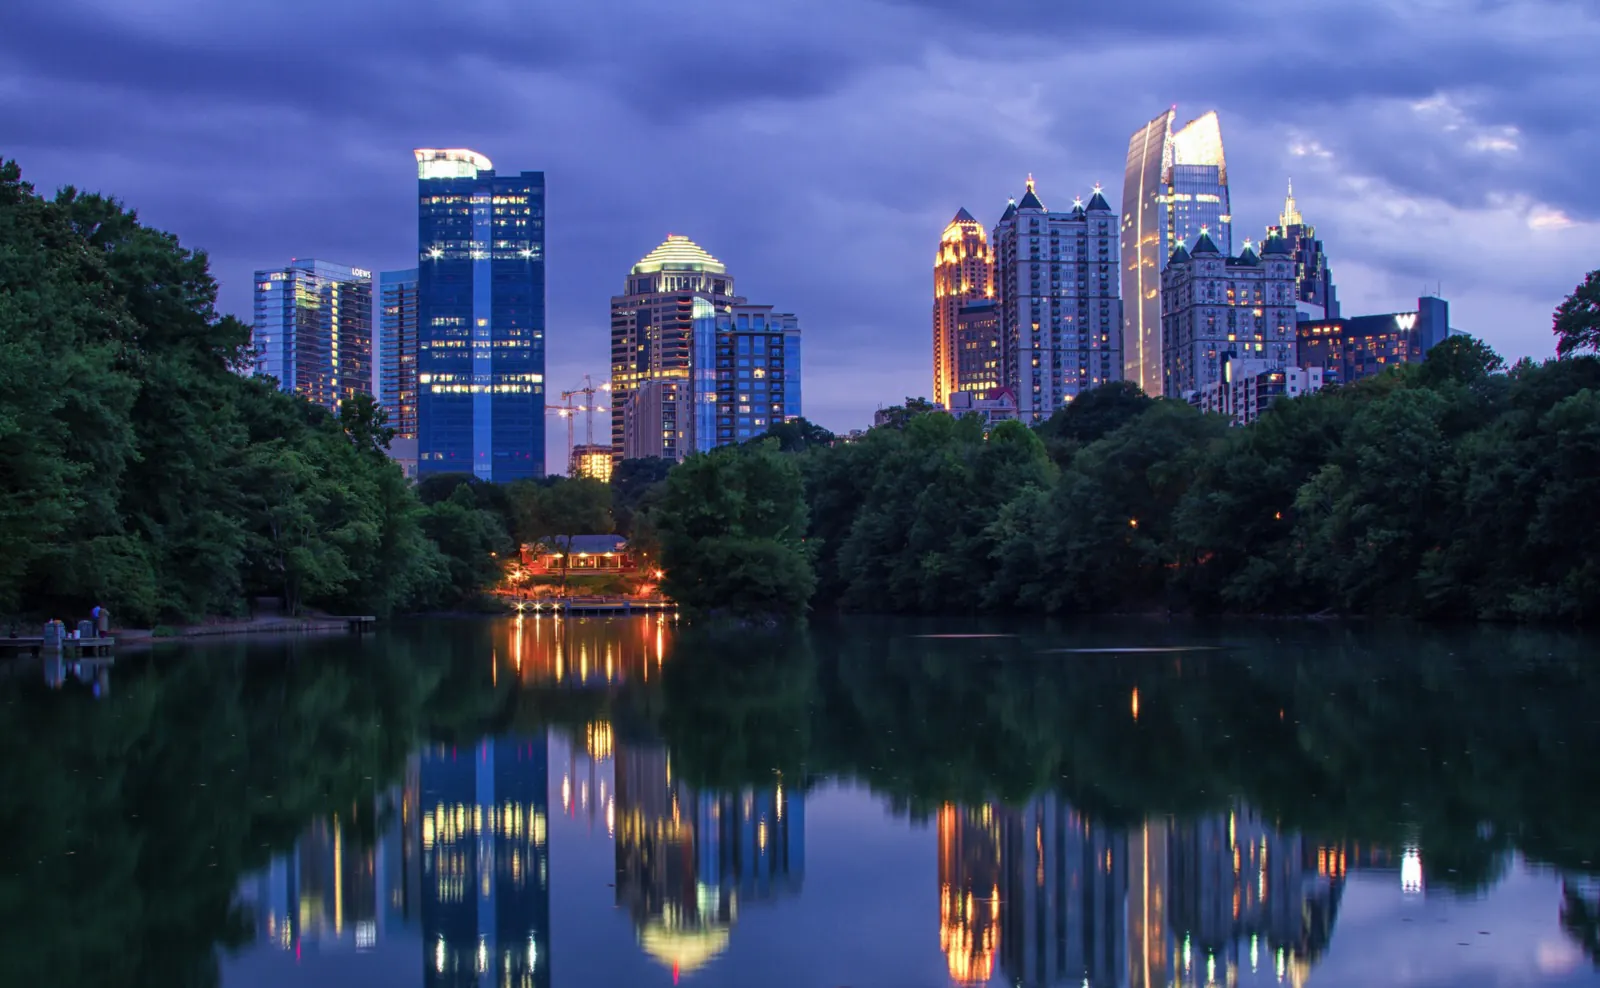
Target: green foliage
140, 471
798, 436
731, 525
1450, 489
633, 482
1577, 319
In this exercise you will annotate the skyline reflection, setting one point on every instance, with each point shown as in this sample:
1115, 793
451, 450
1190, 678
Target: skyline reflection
453, 864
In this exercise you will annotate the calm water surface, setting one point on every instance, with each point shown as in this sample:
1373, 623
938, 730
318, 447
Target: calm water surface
869, 803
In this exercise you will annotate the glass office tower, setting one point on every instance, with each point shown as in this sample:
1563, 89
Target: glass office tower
397, 350
1175, 185
746, 372
313, 330
480, 315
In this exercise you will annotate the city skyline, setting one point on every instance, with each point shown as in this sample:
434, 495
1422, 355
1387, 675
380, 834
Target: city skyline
1413, 173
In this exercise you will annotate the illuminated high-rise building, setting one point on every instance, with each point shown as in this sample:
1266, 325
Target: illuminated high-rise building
1176, 183
980, 350
746, 373
313, 330
593, 462
397, 350
397, 363
1060, 306
1314, 292
480, 318
1215, 307
652, 330
963, 271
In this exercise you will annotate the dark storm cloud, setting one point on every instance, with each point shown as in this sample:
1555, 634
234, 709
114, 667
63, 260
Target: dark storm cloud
817, 146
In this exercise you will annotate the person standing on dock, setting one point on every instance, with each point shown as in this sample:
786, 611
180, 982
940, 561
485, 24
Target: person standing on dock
102, 620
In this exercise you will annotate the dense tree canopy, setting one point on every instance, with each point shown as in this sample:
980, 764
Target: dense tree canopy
1454, 488
139, 470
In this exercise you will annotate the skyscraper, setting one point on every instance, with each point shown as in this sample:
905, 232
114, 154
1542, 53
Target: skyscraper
746, 373
397, 350
1215, 307
1314, 291
397, 363
652, 325
313, 330
480, 317
980, 357
963, 271
1056, 277
1175, 183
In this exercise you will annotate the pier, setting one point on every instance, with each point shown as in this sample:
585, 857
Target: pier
69, 647
585, 606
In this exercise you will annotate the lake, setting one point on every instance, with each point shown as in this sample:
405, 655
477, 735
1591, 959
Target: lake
562, 803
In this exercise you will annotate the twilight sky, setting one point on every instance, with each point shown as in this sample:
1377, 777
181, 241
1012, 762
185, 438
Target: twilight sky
818, 147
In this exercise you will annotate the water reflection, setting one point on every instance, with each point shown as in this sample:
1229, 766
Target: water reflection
1165, 821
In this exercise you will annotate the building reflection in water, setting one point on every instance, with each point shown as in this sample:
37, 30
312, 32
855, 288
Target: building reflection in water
688, 859
460, 856
348, 881
1053, 898
485, 904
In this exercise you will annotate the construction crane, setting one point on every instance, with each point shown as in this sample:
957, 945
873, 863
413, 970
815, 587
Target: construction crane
569, 411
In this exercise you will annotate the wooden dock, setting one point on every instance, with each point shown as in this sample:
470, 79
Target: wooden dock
584, 606
81, 647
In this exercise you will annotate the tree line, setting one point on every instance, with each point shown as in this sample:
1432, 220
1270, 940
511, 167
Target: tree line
1453, 489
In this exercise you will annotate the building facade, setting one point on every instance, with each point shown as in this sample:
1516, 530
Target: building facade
1249, 387
397, 350
593, 462
1215, 307
1176, 182
980, 351
650, 419
312, 330
1060, 302
1315, 295
480, 318
396, 358
963, 272
746, 373
652, 330
1348, 350
994, 405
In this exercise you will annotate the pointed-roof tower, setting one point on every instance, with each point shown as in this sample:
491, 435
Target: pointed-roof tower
1203, 244
962, 216
1011, 210
1291, 213
1030, 199
1097, 202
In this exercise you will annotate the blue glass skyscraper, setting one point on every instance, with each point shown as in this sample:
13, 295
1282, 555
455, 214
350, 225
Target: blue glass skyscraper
480, 314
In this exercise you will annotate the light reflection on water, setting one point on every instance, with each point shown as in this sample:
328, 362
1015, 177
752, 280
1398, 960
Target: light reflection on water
582, 853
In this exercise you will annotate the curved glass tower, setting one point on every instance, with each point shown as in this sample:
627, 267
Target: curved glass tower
1175, 184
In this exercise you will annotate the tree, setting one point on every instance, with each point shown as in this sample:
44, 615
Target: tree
631, 482
1577, 318
798, 436
366, 423
552, 515
732, 527
897, 416
1092, 415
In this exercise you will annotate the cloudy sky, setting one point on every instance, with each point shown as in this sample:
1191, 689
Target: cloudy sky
818, 147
